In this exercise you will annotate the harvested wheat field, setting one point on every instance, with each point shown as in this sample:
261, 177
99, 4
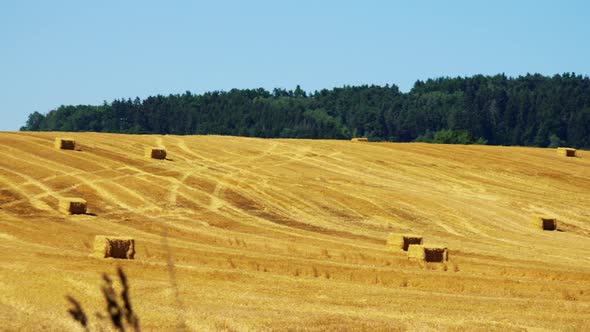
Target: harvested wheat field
242, 234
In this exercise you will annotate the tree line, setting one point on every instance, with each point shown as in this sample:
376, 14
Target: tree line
532, 110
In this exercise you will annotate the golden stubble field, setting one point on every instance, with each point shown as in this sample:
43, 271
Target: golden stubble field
290, 234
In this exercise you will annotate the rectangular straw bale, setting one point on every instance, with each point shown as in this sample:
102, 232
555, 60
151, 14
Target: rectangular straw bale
359, 139
568, 152
429, 253
543, 222
402, 241
155, 153
120, 247
436, 253
64, 143
72, 205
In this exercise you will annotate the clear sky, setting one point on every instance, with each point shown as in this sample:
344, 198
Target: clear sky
57, 52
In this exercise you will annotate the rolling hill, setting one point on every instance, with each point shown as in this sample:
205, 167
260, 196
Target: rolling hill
244, 234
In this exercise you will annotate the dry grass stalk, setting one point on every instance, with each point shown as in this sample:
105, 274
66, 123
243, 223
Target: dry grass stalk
155, 153
359, 139
114, 247
543, 222
402, 241
180, 321
119, 311
568, 152
430, 253
72, 205
78, 313
64, 143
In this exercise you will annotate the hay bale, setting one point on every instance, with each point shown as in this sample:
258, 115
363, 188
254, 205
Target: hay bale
543, 222
428, 253
402, 241
120, 247
155, 153
568, 152
64, 143
359, 139
436, 253
72, 205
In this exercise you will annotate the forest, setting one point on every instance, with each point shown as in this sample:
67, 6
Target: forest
530, 110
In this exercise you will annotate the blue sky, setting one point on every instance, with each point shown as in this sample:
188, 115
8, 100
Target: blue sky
82, 52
